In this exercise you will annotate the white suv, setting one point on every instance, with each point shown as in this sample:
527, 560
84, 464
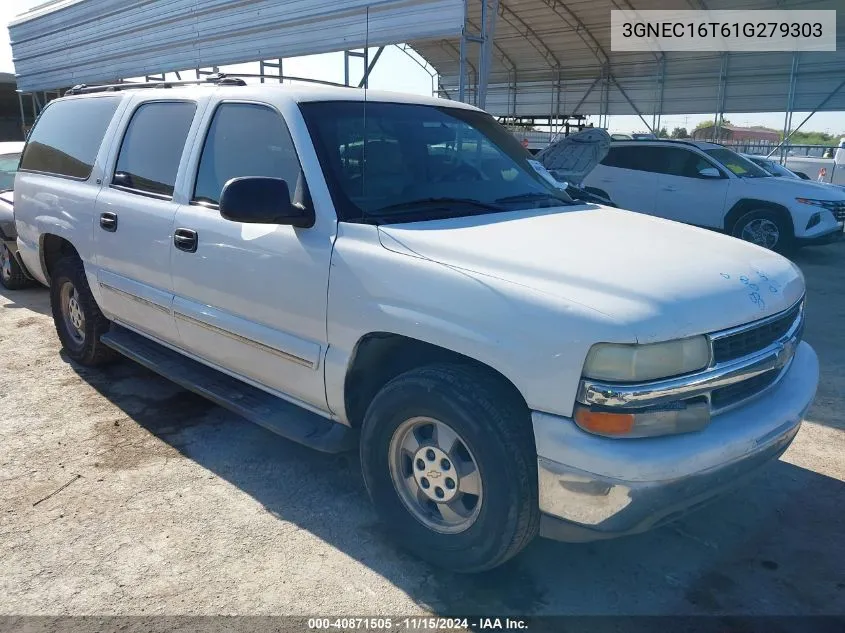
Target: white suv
336, 265
711, 186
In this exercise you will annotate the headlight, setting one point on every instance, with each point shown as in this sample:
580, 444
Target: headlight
637, 363
825, 204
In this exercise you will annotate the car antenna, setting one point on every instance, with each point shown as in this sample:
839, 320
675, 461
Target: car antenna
366, 84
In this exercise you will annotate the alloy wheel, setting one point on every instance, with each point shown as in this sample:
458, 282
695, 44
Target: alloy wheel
436, 475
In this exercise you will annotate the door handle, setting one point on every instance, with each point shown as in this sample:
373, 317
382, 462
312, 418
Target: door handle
670, 189
108, 221
185, 240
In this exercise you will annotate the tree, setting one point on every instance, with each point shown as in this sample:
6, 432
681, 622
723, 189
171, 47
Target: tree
723, 121
680, 132
663, 133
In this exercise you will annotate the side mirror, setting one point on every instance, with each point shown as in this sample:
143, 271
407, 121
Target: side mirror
259, 200
801, 175
709, 172
122, 179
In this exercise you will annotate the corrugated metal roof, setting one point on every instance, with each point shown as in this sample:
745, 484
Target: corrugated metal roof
549, 53
88, 41
550, 56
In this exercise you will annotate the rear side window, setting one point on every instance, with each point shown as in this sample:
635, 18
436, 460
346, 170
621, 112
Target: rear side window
640, 158
246, 139
152, 147
68, 135
623, 157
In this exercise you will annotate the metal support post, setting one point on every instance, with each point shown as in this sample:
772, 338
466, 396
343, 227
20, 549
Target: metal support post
633, 105
807, 118
462, 64
790, 103
23, 116
720, 97
347, 55
368, 67
661, 80
489, 16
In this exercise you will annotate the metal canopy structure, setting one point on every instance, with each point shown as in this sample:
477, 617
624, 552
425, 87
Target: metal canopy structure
553, 58
520, 59
67, 42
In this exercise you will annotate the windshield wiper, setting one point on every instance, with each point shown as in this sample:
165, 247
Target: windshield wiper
533, 196
439, 203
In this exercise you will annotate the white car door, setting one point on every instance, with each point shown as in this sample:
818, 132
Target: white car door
134, 215
624, 177
691, 189
250, 299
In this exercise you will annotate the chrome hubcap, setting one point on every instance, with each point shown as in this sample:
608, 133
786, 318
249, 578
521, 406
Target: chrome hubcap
72, 312
5, 261
436, 475
762, 232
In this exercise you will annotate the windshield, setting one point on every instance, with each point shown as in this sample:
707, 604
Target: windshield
775, 169
8, 167
738, 165
391, 162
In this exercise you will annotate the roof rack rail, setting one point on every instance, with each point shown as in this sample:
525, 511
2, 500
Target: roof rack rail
679, 141
218, 79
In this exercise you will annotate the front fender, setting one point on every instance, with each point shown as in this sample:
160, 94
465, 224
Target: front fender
536, 341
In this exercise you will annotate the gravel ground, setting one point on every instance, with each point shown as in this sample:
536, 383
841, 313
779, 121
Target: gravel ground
167, 504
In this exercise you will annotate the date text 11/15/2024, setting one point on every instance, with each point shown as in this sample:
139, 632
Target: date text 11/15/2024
423, 623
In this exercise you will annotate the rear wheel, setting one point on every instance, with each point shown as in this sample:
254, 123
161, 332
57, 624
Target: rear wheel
449, 461
11, 273
765, 228
79, 322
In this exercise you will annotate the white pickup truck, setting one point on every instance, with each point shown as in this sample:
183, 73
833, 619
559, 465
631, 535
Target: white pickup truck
396, 272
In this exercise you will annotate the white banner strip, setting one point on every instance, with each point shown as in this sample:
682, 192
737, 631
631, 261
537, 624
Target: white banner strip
730, 31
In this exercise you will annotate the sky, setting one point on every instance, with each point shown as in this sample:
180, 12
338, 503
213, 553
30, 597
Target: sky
395, 71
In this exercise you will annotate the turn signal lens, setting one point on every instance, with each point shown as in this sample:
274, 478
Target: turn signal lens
674, 418
604, 423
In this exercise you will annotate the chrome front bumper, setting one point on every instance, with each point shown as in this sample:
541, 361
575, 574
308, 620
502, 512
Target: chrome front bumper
593, 487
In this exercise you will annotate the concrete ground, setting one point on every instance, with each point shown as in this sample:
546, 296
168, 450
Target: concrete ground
172, 505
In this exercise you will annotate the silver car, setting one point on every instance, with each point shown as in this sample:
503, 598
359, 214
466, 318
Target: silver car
13, 276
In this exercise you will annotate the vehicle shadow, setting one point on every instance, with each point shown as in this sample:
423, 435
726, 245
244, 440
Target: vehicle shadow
36, 299
822, 267
772, 547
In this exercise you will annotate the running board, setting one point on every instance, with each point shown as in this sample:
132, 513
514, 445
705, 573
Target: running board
271, 412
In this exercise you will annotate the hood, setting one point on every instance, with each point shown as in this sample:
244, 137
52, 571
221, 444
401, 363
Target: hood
663, 279
572, 158
798, 188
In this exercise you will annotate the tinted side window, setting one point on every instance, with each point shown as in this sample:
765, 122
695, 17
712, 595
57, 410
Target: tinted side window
68, 135
683, 162
246, 139
641, 158
152, 147
624, 157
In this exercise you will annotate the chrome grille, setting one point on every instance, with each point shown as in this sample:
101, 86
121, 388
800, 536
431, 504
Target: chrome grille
839, 212
737, 392
754, 338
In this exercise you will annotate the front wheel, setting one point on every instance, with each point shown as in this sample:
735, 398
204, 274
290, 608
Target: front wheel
79, 322
11, 273
765, 228
450, 463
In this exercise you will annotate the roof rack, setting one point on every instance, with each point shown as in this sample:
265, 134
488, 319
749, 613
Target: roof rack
218, 79
678, 141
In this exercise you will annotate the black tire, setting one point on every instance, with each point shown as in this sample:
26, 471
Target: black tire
11, 273
496, 428
89, 350
786, 235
